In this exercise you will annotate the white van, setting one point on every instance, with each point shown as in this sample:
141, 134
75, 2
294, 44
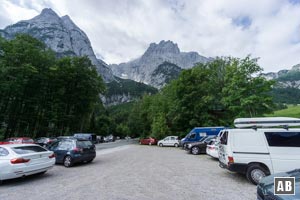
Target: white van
258, 152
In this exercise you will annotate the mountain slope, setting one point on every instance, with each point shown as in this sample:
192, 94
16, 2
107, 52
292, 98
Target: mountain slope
125, 90
61, 35
142, 68
287, 86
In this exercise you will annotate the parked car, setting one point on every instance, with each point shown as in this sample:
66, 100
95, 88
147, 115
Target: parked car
19, 160
86, 136
265, 188
110, 138
18, 140
44, 141
100, 139
148, 141
71, 151
59, 138
169, 141
198, 133
258, 152
199, 147
212, 149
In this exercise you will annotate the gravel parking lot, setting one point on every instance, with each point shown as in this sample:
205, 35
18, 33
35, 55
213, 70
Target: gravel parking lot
134, 172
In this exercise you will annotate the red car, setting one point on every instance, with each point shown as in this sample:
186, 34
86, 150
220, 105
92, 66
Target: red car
149, 141
18, 140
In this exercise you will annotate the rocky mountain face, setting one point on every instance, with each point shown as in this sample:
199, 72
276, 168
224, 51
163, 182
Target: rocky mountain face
143, 68
164, 73
61, 35
285, 78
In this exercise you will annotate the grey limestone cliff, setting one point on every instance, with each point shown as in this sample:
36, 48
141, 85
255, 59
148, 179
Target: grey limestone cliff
142, 68
61, 35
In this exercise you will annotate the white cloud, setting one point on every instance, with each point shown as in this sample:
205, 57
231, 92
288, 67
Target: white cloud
121, 30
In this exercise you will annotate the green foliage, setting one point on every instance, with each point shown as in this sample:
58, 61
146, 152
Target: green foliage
210, 94
126, 86
290, 111
42, 95
289, 95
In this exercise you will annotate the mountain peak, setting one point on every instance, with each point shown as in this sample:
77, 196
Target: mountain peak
163, 47
48, 11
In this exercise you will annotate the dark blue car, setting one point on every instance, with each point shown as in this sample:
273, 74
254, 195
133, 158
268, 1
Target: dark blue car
265, 188
71, 151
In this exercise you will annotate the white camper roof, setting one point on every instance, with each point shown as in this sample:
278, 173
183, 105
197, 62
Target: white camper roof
266, 122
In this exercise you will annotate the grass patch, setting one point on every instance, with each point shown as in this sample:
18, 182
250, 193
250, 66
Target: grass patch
291, 111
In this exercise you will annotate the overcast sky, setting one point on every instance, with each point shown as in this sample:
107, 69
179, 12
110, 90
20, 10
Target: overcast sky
121, 30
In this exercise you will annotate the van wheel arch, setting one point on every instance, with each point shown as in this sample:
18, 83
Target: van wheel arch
256, 171
261, 165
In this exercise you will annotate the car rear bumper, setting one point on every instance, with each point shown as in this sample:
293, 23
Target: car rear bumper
234, 167
212, 153
81, 158
20, 170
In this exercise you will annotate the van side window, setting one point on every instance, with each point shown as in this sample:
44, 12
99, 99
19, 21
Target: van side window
224, 137
193, 136
283, 139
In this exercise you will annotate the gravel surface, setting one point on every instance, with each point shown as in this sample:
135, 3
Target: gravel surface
134, 172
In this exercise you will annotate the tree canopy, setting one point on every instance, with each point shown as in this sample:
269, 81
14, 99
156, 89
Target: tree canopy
42, 95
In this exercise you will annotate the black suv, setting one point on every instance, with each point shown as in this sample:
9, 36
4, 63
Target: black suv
72, 150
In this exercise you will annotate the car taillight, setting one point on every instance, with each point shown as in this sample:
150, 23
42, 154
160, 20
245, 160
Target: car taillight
52, 156
77, 150
230, 160
19, 160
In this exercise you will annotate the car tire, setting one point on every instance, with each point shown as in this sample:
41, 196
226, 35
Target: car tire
255, 172
176, 145
195, 150
160, 144
68, 161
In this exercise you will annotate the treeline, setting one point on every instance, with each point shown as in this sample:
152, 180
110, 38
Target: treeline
41, 95
210, 94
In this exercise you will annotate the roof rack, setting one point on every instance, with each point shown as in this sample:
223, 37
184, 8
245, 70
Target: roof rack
284, 122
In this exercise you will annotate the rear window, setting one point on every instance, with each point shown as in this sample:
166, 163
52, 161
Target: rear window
224, 137
28, 149
84, 144
283, 139
3, 152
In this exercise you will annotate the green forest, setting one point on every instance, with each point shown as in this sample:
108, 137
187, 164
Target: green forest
42, 95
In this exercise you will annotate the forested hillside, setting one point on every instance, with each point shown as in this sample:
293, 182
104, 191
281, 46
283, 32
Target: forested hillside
42, 95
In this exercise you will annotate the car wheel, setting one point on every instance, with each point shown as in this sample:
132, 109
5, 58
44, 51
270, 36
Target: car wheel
255, 173
161, 145
175, 145
68, 161
195, 150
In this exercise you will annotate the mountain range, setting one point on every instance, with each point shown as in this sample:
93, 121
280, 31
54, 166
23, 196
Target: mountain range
158, 63
161, 62
61, 35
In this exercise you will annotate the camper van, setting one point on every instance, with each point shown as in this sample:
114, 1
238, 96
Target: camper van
197, 133
260, 146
